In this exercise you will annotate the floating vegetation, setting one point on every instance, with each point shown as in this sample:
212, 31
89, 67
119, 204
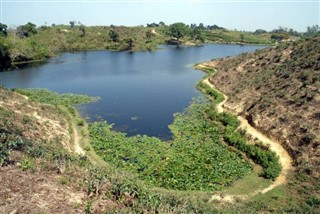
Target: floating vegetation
194, 160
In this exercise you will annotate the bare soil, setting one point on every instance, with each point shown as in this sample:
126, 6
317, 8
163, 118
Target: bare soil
284, 158
278, 91
46, 187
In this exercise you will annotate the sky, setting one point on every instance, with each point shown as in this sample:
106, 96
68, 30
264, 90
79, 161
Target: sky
247, 15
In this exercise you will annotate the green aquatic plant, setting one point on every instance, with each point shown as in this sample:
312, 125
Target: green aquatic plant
194, 160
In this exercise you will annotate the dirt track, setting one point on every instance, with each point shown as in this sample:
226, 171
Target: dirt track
284, 158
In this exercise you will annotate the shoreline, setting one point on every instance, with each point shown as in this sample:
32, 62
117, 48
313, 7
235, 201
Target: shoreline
16, 64
285, 159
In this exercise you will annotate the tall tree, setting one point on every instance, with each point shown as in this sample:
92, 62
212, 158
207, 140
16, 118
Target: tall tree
72, 23
195, 34
3, 29
178, 30
129, 43
313, 30
162, 24
26, 30
114, 36
5, 60
260, 31
201, 26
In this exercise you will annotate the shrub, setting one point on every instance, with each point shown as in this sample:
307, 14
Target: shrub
266, 158
212, 93
5, 60
8, 143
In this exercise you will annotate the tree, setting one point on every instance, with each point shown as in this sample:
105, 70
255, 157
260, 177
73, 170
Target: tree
3, 30
195, 34
114, 36
279, 36
4, 56
72, 23
193, 26
26, 30
280, 30
129, 43
260, 31
313, 30
178, 30
201, 26
153, 25
293, 32
162, 24
242, 38
215, 27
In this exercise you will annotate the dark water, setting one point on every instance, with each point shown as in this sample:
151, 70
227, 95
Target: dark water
139, 91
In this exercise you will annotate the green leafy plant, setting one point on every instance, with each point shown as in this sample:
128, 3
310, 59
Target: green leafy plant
53, 98
194, 160
27, 164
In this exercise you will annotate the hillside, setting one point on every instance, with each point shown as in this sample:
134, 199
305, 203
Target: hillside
57, 163
278, 90
43, 168
32, 157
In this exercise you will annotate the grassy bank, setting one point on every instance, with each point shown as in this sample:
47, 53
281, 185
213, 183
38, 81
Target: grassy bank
102, 183
98, 181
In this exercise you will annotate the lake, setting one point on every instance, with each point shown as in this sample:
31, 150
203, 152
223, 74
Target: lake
139, 91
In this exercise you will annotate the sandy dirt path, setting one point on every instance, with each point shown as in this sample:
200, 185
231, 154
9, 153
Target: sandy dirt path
76, 140
284, 158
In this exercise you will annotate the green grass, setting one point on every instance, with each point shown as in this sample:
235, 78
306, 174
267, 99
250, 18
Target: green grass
53, 98
214, 95
120, 183
248, 184
194, 160
227, 36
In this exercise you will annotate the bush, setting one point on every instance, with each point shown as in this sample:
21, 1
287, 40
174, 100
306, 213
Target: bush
229, 119
8, 143
266, 158
5, 60
212, 93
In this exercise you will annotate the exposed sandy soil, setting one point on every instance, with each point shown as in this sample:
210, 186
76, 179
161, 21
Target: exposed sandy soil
277, 90
34, 121
50, 186
284, 158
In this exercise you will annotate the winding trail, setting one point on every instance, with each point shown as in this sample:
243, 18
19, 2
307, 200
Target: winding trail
76, 140
284, 158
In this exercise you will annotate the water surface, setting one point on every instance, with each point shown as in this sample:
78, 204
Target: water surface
139, 91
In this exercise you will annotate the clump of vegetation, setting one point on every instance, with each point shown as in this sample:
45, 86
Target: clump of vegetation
264, 157
278, 89
216, 96
194, 160
5, 61
9, 143
104, 184
53, 98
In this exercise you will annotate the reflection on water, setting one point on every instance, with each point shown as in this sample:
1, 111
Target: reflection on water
149, 86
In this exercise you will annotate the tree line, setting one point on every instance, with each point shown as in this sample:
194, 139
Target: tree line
23, 43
